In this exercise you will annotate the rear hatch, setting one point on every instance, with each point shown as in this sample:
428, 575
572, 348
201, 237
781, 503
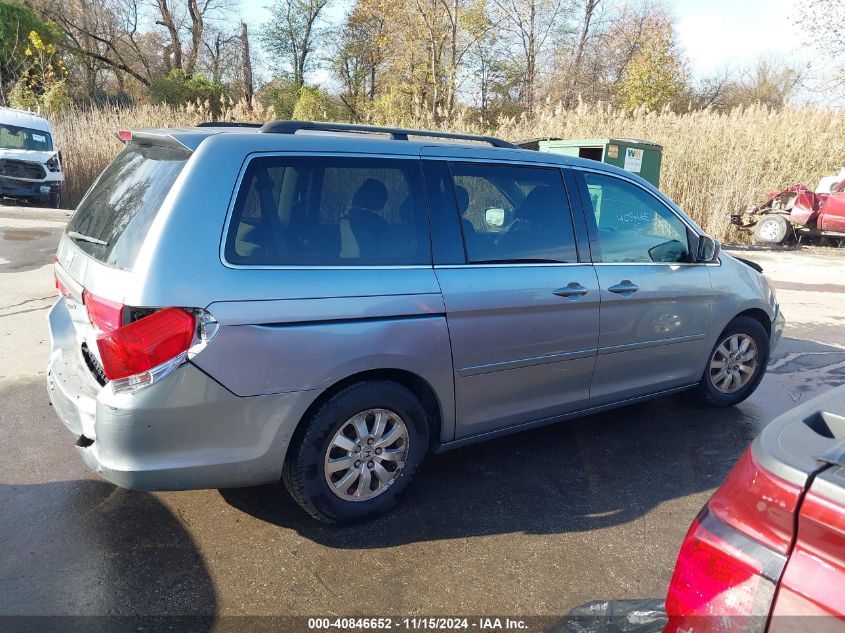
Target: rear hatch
95, 261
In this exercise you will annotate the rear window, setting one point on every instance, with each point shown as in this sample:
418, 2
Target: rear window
329, 211
121, 206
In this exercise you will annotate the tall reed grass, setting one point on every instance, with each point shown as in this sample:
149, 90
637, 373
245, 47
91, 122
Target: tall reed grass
713, 163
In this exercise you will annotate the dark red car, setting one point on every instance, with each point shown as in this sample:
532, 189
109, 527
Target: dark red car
796, 212
767, 552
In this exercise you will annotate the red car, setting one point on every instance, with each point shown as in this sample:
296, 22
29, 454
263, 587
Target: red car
770, 543
794, 212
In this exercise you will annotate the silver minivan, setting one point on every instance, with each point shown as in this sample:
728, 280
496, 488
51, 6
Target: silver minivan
325, 304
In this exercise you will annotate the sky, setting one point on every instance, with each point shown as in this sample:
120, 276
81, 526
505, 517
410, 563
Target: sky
714, 34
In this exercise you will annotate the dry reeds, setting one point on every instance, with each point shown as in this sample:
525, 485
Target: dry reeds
713, 163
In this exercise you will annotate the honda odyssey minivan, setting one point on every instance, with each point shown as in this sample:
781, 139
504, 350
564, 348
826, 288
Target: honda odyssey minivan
325, 304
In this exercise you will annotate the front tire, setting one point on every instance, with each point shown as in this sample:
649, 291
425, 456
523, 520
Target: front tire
771, 229
54, 200
357, 453
736, 363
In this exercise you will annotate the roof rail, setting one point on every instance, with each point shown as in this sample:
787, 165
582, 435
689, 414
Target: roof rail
227, 124
395, 133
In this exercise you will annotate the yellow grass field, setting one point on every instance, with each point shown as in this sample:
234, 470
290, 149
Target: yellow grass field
713, 163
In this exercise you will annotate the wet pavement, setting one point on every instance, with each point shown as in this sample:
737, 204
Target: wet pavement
531, 524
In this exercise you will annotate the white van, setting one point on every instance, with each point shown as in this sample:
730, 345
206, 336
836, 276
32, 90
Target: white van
30, 165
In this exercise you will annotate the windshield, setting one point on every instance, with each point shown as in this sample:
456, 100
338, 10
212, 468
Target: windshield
14, 137
114, 216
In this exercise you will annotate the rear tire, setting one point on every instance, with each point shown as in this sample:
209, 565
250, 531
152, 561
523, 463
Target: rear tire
381, 430
743, 344
771, 229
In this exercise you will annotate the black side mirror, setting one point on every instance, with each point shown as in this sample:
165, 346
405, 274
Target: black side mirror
708, 249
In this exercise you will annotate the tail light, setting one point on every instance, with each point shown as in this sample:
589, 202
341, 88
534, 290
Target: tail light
58, 282
135, 354
104, 314
141, 346
734, 553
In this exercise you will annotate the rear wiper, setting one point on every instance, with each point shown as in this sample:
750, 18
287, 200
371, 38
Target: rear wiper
518, 261
86, 238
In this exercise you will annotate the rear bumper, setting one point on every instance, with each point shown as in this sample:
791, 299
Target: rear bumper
184, 432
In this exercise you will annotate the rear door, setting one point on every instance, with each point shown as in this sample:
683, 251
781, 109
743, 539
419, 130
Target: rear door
655, 303
522, 310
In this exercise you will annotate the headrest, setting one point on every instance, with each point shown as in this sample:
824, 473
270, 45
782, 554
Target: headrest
372, 195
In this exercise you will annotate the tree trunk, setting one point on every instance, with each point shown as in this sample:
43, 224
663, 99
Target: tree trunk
589, 10
197, 27
246, 65
175, 42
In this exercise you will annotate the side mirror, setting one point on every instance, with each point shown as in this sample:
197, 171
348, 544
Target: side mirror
59, 154
495, 217
708, 249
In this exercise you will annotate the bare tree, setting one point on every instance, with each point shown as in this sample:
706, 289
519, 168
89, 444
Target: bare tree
575, 69
293, 32
106, 31
531, 23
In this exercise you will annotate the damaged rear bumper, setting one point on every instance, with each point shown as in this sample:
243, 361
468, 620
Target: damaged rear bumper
185, 432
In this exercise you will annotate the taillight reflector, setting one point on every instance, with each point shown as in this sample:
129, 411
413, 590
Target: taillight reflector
146, 343
56, 281
124, 135
104, 314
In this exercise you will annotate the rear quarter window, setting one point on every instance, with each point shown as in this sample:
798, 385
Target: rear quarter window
121, 206
329, 211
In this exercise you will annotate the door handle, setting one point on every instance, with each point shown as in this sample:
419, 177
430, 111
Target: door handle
573, 289
624, 287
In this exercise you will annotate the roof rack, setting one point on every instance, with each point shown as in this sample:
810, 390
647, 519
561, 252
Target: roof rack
395, 133
227, 124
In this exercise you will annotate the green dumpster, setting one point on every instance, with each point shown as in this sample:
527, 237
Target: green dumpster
640, 157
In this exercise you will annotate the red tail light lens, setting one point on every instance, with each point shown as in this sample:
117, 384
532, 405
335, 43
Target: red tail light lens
715, 577
104, 314
124, 135
146, 343
734, 553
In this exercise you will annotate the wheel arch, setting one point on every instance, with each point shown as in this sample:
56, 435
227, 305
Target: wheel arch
758, 315
415, 383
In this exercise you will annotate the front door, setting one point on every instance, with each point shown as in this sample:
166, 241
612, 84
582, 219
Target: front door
522, 311
655, 302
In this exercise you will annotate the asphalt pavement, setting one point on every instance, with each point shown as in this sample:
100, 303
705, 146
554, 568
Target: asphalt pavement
532, 524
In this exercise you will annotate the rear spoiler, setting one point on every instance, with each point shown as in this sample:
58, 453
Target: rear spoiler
181, 139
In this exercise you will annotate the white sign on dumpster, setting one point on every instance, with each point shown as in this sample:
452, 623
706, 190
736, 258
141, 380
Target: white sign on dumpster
633, 159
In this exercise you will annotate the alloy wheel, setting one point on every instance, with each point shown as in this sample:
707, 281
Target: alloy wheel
733, 363
366, 454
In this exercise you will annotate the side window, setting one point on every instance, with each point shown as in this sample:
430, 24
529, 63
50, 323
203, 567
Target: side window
513, 213
632, 225
329, 211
